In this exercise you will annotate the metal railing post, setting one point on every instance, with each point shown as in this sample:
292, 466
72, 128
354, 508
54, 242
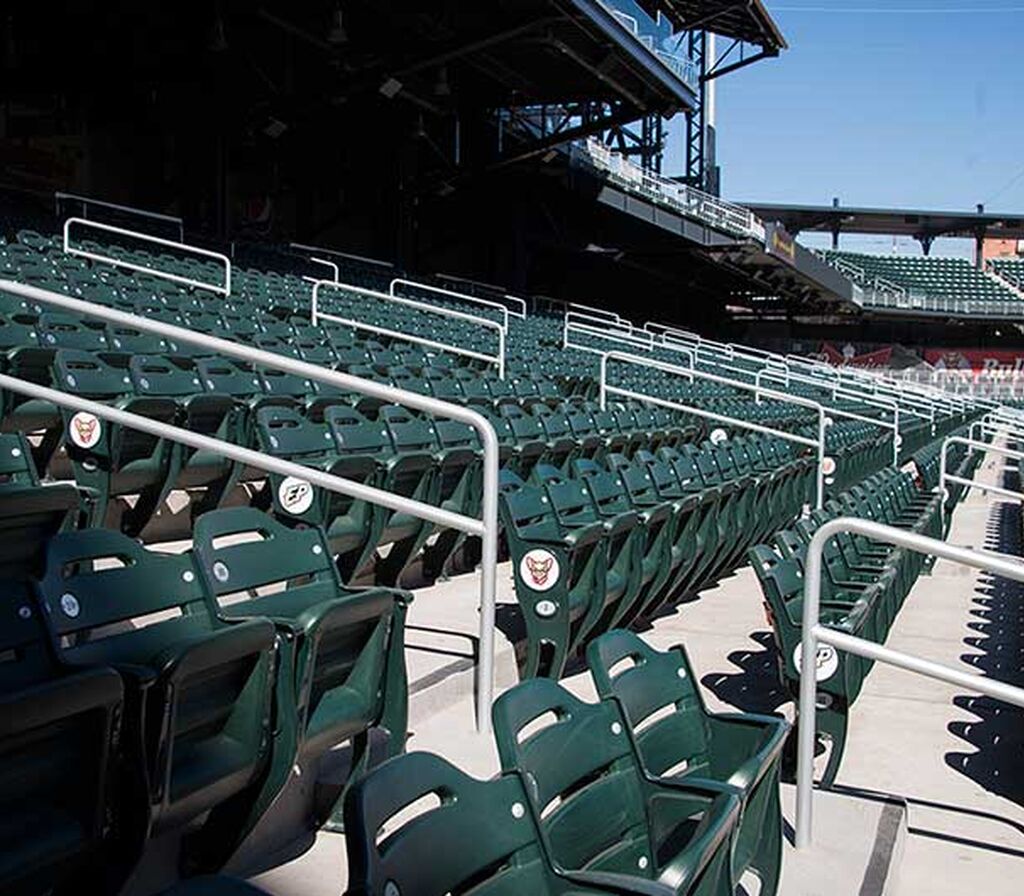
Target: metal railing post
813, 633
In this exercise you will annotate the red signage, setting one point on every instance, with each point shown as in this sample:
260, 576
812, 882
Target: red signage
847, 356
975, 358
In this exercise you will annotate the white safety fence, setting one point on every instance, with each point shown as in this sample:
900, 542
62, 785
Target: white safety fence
224, 287
317, 315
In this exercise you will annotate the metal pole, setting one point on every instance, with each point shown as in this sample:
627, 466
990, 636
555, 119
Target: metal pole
346, 382
813, 632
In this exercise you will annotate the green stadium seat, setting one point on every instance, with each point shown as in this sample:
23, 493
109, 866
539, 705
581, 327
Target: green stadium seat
742, 751
340, 668
198, 692
472, 836
599, 811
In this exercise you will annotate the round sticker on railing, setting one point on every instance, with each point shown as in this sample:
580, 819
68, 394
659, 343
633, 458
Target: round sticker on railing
85, 430
295, 495
718, 436
539, 570
826, 663
828, 466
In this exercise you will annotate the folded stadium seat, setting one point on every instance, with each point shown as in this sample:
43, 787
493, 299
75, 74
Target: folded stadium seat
583, 428
197, 723
598, 809
30, 513
283, 388
682, 514
463, 841
698, 530
530, 437
206, 413
350, 524
130, 341
562, 446
402, 377
341, 665
110, 460
612, 500
722, 528
615, 440
277, 346
224, 377
574, 506
458, 488
411, 473
739, 750
560, 574
58, 743
639, 438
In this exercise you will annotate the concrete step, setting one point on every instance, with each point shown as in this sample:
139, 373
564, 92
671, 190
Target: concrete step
858, 845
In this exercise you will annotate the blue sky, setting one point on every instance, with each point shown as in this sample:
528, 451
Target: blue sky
881, 102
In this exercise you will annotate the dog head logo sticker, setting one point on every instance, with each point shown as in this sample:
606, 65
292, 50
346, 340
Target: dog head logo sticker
826, 663
85, 430
295, 495
539, 570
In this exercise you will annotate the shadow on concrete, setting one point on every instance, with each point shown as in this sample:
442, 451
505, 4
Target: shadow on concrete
756, 687
996, 647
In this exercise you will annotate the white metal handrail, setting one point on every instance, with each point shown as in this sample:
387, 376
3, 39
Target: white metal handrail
680, 198
498, 359
818, 444
486, 526
522, 305
86, 201
457, 296
326, 263
224, 288
894, 426
814, 632
576, 322
598, 312
972, 446
322, 250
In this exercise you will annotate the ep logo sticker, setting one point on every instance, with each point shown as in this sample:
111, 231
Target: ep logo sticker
85, 430
539, 570
826, 663
295, 496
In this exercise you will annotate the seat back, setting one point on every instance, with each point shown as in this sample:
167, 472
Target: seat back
660, 697
243, 552
96, 581
580, 772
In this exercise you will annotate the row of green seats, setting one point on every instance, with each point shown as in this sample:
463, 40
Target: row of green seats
864, 585
614, 797
597, 546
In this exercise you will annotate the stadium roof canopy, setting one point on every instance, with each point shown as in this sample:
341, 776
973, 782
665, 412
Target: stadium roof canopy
920, 224
744, 20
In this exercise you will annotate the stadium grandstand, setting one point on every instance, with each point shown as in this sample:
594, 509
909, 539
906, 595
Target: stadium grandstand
409, 488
